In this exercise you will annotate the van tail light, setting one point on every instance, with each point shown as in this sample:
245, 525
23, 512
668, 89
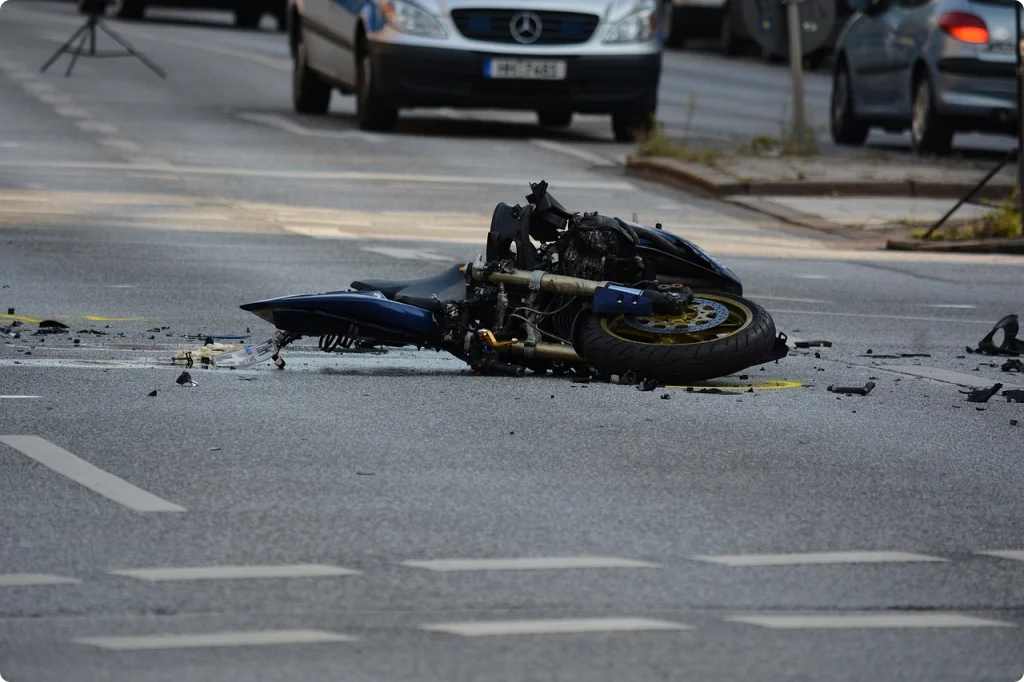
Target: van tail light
968, 28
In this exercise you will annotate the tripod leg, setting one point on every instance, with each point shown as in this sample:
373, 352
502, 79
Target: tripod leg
133, 52
76, 54
63, 49
970, 195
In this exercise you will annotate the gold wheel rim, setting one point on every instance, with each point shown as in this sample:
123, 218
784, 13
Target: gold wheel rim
739, 318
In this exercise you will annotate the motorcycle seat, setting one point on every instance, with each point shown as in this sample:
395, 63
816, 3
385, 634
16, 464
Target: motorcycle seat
448, 287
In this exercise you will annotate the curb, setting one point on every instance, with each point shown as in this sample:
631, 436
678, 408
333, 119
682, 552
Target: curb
1010, 246
690, 176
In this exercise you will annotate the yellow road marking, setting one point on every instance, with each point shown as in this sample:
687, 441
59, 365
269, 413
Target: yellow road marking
19, 318
763, 386
97, 318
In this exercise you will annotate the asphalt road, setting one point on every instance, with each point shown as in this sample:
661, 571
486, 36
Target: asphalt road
148, 210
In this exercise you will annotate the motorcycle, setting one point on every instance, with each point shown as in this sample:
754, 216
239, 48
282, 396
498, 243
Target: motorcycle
558, 291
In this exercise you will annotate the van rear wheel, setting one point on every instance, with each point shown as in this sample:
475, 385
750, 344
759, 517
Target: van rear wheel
310, 94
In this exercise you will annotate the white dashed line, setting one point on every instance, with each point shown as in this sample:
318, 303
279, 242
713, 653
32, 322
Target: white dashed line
123, 145
38, 87
957, 306
32, 579
234, 572
288, 126
1012, 554
817, 558
405, 254
870, 620
72, 112
215, 639
78, 470
785, 299
19, 397
553, 626
54, 98
97, 127
568, 150
812, 276
526, 564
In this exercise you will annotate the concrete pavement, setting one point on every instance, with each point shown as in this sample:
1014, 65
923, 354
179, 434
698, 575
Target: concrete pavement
600, 534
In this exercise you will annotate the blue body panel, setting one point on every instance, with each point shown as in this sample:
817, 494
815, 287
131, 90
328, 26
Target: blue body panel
333, 313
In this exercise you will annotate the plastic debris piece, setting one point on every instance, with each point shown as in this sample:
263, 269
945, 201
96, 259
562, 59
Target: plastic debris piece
648, 385
185, 379
666, 396
152, 394
882, 357
1013, 422
52, 324
982, 395
1010, 345
10, 311
247, 355
1014, 396
214, 449
853, 390
1013, 366
813, 344
915, 355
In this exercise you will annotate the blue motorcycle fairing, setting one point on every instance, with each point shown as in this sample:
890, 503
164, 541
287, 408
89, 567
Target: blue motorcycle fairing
333, 313
709, 273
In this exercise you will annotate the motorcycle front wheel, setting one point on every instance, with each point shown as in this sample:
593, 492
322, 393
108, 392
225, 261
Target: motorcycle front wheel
718, 334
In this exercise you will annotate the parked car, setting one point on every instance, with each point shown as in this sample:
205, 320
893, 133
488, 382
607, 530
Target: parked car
555, 57
937, 67
723, 19
248, 13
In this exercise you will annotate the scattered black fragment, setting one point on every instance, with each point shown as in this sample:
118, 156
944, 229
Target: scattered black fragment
981, 409
77, 341
552, 397
184, 378
915, 355
817, 355
1013, 422
884, 357
956, 407
813, 344
1014, 396
647, 385
214, 449
511, 433
365, 473
1013, 366
52, 324
744, 377
869, 352
152, 394
961, 357
581, 380
16, 323
982, 395
666, 396
247, 378
1011, 345
10, 311
853, 390
718, 391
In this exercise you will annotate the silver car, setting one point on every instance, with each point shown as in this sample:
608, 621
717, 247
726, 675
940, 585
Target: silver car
937, 67
555, 57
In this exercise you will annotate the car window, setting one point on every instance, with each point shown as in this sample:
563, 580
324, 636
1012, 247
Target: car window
994, 2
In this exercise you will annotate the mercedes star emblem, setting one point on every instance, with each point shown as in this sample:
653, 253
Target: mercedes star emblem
525, 27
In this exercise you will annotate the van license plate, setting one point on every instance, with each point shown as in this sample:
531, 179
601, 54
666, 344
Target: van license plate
527, 69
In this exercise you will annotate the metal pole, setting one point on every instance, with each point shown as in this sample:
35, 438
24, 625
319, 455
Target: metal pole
1020, 112
796, 67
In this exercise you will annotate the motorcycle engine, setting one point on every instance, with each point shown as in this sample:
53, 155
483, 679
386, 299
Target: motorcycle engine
600, 248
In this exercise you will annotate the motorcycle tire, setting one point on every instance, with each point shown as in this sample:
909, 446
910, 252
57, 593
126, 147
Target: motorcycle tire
743, 339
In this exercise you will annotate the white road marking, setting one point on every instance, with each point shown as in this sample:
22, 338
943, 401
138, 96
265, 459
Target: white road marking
812, 276
72, 112
38, 87
527, 564
281, 123
214, 639
869, 316
868, 620
1012, 554
21, 76
54, 98
815, 558
354, 176
234, 572
569, 150
19, 397
946, 376
78, 470
97, 127
405, 254
958, 306
123, 145
552, 626
30, 579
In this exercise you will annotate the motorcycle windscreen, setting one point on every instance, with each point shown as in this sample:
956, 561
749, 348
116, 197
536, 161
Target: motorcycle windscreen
687, 261
334, 313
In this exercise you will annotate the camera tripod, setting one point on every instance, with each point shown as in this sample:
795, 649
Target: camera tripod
87, 32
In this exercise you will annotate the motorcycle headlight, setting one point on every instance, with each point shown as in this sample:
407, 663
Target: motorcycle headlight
407, 17
638, 25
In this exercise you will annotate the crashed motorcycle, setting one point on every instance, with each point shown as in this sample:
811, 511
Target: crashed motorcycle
557, 291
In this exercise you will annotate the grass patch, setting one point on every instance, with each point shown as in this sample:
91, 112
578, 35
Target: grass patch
657, 143
1002, 223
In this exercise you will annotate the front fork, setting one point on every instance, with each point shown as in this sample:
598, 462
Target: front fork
282, 339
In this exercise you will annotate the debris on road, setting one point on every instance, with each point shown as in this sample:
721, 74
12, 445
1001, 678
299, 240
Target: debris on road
666, 396
915, 355
1010, 345
813, 344
1013, 366
185, 379
1013, 422
647, 385
1014, 396
982, 395
853, 390
716, 391
152, 394
51, 327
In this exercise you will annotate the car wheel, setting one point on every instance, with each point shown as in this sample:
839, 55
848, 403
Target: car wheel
555, 119
373, 112
129, 9
671, 28
727, 40
627, 127
310, 94
846, 127
248, 17
930, 132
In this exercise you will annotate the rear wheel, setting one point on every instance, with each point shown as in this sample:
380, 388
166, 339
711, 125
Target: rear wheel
628, 127
846, 127
129, 9
719, 334
310, 94
727, 40
930, 132
248, 17
671, 26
